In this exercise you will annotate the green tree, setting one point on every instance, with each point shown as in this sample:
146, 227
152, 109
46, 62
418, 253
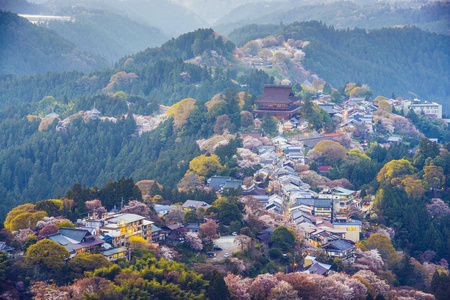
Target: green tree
427, 149
336, 97
190, 216
4, 265
217, 288
27, 220
17, 211
269, 124
327, 89
65, 224
86, 262
433, 175
283, 238
393, 170
205, 165
338, 265
46, 256
228, 209
53, 207
384, 246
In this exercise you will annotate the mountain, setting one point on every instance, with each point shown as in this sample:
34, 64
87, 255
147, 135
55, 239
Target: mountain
434, 16
21, 7
213, 10
106, 34
171, 17
27, 49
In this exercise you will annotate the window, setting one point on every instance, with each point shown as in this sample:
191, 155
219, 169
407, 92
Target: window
351, 228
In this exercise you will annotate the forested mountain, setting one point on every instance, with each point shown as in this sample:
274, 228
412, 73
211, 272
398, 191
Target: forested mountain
27, 48
399, 60
106, 34
342, 14
160, 73
100, 151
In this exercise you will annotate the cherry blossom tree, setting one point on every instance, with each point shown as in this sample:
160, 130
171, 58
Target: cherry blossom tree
167, 253
437, 208
194, 240
261, 286
47, 230
238, 264
50, 220
209, 229
136, 207
238, 287
95, 207
283, 291
379, 286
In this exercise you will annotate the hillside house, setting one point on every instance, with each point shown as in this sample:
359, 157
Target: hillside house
221, 182
340, 248
77, 241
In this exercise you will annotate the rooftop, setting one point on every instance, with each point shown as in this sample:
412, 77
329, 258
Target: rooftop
277, 94
127, 218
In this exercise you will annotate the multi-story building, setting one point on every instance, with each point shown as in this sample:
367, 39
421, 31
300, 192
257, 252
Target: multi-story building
341, 198
429, 108
121, 227
351, 230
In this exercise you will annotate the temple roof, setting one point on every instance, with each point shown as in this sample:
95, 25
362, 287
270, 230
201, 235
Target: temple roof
277, 94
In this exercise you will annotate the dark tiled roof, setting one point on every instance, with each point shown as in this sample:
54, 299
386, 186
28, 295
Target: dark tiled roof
340, 245
322, 202
74, 234
277, 94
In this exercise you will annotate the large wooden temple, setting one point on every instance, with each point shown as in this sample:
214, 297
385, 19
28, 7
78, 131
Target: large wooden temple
277, 100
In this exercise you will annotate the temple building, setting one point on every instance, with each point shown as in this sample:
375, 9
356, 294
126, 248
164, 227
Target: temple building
277, 100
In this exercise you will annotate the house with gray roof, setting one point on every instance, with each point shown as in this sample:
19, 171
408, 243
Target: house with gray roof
76, 240
319, 269
221, 182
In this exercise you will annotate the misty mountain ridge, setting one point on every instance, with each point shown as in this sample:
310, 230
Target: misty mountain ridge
107, 34
27, 48
433, 16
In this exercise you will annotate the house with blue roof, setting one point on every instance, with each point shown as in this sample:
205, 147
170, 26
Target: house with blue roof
340, 248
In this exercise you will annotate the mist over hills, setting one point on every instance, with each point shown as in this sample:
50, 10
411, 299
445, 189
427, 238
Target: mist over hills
27, 49
107, 34
434, 16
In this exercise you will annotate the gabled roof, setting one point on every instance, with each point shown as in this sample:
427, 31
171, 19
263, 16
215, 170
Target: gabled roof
74, 234
339, 245
277, 94
319, 268
155, 228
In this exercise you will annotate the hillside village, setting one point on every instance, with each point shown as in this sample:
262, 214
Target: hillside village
285, 186
205, 169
